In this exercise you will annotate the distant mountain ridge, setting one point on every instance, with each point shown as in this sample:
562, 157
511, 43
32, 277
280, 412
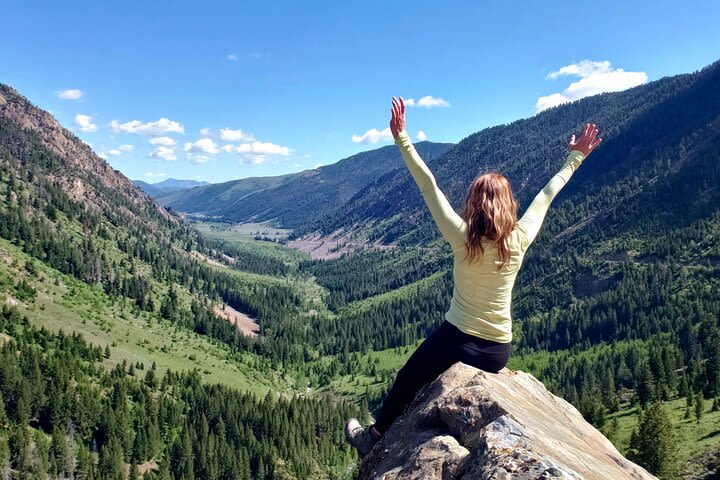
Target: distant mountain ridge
290, 200
372, 194
639, 126
167, 186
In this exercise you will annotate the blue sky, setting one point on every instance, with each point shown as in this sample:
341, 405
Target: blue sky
265, 88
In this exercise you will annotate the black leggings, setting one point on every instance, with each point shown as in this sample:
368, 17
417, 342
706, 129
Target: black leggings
442, 349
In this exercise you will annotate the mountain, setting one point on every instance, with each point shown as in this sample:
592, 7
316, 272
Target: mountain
616, 308
211, 199
641, 215
119, 323
640, 127
290, 200
618, 301
167, 186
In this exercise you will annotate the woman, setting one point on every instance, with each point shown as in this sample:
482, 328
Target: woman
488, 245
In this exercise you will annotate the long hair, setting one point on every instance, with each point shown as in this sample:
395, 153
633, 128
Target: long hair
491, 214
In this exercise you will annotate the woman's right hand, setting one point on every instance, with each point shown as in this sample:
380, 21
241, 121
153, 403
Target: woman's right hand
397, 121
587, 142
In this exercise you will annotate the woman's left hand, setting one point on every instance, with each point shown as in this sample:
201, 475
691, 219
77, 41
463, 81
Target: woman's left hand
397, 121
587, 142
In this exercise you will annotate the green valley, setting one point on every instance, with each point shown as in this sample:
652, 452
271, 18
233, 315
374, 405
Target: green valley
117, 349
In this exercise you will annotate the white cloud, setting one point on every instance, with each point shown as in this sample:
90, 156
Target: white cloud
258, 148
373, 136
163, 153
199, 159
164, 141
318, 166
155, 175
202, 145
206, 132
257, 152
151, 129
421, 136
230, 135
428, 101
70, 94
120, 150
84, 123
232, 57
549, 101
595, 77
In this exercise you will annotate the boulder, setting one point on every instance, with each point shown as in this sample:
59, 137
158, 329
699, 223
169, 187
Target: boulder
471, 424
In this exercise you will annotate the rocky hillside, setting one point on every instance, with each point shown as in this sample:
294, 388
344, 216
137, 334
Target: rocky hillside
105, 297
74, 167
471, 424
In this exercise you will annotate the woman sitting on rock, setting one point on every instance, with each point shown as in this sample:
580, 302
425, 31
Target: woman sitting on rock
488, 245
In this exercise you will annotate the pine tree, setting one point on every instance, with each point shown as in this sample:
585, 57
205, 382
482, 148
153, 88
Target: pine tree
151, 377
682, 389
39, 455
644, 385
4, 458
133, 474
59, 451
111, 465
3, 414
85, 469
699, 404
20, 448
182, 457
652, 443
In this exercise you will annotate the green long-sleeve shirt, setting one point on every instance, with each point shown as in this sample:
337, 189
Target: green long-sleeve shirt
482, 294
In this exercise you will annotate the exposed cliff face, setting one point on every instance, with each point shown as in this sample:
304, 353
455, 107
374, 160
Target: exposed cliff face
82, 174
470, 424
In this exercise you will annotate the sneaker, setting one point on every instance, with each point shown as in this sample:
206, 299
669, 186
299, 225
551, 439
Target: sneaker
359, 437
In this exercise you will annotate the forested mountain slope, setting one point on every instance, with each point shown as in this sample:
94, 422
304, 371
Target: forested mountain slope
290, 200
618, 302
216, 196
83, 252
642, 128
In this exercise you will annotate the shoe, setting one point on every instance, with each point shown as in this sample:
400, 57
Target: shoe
359, 437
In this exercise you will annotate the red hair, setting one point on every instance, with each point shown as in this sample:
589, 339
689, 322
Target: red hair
491, 214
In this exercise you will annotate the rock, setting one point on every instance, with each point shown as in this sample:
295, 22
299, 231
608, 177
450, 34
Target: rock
703, 466
469, 424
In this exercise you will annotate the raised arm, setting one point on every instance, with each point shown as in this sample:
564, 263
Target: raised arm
530, 223
448, 222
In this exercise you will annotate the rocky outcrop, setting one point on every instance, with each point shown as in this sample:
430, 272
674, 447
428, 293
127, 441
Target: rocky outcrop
470, 424
703, 466
85, 177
